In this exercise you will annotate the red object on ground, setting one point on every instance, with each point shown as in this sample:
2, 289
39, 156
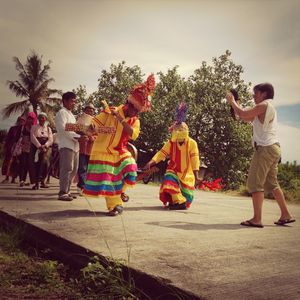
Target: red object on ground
215, 185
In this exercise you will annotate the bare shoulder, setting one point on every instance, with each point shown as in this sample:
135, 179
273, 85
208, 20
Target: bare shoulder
261, 107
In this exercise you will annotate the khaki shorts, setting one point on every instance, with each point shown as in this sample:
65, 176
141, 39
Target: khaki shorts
263, 170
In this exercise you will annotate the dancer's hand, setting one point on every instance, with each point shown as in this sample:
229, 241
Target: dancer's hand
147, 166
198, 181
116, 114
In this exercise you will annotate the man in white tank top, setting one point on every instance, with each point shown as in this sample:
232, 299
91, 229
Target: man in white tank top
262, 177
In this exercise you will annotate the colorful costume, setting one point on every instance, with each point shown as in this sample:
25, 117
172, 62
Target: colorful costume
178, 184
179, 180
111, 166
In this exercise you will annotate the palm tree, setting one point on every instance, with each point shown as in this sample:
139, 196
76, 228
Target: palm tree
33, 86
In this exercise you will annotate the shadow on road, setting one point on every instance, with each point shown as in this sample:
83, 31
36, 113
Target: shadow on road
196, 226
72, 213
30, 197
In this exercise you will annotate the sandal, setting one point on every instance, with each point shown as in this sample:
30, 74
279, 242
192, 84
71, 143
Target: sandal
116, 211
251, 224
283, 222
124, 197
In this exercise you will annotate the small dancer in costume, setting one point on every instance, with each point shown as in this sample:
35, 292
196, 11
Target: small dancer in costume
111, 166
182, 173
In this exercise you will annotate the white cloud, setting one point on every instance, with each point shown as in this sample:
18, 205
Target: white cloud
289, 138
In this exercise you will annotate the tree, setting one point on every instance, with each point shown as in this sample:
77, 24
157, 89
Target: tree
82, 98
171, 88
224, 143
115, 84
33, 86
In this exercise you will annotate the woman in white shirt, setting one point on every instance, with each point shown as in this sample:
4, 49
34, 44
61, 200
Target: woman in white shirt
41, 140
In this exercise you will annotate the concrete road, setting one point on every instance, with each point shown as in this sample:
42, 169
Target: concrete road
203, 250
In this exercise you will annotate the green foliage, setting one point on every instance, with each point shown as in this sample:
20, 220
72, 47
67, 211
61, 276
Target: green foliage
82, 98
30, 277
107, 279
33, 87
224, 143
170, 90
115, 84
289, 180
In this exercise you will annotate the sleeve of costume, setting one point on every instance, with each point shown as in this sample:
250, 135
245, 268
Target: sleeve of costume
162, 153
194, 155
136, 129
99, 120
60, 122
50, 138
33, 138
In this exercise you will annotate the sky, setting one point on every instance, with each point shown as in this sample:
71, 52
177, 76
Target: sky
83, 37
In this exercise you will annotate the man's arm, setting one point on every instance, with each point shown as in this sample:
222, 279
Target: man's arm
247, 114
60, 123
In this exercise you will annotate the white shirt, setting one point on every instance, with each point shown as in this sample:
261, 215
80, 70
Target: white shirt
66, 139
265, 134
41, 131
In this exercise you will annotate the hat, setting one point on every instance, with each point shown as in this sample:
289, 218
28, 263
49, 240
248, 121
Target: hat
140, 95
42, 114
89, 105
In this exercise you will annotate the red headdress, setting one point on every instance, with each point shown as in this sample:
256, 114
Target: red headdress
140, 96
33, 116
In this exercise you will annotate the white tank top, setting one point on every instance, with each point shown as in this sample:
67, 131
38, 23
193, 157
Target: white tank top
265, 134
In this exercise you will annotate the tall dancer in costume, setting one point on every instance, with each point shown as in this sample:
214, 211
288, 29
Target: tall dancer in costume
111, 167
177, 188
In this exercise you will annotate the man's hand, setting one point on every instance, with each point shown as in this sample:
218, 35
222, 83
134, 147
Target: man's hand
229, 97
92, 138
83, 138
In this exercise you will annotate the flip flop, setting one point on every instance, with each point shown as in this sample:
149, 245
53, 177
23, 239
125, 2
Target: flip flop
124, 197
250, 224
283, 222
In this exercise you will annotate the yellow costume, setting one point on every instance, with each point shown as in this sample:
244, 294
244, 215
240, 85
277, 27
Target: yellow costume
178, 183
111, 166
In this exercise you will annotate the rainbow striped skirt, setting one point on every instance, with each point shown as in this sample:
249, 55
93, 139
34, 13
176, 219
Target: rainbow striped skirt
171, 185
108, 175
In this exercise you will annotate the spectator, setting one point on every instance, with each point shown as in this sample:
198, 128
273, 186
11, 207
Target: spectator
85, 145
41, 140
9, 166
68, 147
26, 144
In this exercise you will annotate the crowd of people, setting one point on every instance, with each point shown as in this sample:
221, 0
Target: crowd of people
105, 167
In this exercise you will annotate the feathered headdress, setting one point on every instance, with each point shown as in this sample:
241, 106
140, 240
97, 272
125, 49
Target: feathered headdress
141, 94
180, 115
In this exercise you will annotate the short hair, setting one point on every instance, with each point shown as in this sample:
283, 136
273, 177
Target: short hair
68, 96
265, 88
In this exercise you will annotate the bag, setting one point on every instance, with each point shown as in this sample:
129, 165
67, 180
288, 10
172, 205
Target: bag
17, 149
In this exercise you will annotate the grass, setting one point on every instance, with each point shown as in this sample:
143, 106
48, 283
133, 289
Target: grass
291, 196
27, 276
